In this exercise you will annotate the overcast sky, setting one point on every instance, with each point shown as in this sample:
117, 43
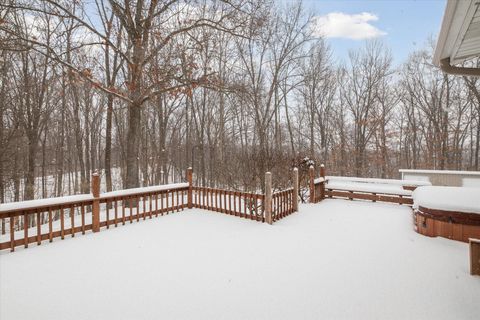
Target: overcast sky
404, 25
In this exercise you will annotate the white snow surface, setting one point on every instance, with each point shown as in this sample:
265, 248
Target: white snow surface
333, 260
460, 199
471, 182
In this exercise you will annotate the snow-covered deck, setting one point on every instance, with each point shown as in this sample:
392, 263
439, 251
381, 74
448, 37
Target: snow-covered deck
334, 260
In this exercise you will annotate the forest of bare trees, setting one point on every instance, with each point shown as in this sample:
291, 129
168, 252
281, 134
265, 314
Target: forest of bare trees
141, 90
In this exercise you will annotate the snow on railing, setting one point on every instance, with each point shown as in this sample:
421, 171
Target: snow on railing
415, 183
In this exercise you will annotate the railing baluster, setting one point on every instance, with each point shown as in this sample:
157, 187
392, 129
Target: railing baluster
235, 203
116, 212
161, 202
123, 212
12, 234
184, 196
150, 205
156, 204
205, 198
50, 232
137, 202
82, 212
62, 224
196, 197
168, 201
39, 229
178, 200
107, 213
244, 205
129, 199
144, 208
72, 220
25, 229
225, 202
211, 199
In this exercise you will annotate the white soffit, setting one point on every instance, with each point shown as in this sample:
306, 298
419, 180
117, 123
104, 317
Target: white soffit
459, 37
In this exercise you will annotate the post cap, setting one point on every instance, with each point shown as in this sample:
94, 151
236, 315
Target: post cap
295, 169
322, 165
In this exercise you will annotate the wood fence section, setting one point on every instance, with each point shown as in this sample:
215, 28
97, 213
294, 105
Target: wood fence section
240, 204
282, 204
400, 199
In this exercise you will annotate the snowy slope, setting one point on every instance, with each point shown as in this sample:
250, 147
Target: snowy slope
333, 260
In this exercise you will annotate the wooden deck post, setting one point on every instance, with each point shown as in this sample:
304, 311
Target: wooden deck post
268, 197
474, 256
311, 172
190, 187
295, 189
96, 202
322, 185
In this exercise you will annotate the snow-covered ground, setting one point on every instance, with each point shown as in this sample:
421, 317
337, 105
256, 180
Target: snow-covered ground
334, 260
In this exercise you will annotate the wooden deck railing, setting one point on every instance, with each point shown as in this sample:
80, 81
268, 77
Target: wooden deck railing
371, 196
47, 219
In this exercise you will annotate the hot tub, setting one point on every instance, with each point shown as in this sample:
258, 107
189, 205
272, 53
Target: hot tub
449, 212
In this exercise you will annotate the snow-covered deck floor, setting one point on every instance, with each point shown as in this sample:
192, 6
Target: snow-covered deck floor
334, 260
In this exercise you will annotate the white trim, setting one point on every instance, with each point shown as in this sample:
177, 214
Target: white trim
456, 20
458, 172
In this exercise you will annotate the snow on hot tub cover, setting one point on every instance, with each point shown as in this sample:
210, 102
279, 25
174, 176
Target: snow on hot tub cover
458, 199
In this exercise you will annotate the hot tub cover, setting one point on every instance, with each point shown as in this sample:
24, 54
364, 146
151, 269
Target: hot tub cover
458, 199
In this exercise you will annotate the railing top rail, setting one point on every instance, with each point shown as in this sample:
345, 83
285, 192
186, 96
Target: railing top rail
227, 191
44, 203
282, 191
143, 190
